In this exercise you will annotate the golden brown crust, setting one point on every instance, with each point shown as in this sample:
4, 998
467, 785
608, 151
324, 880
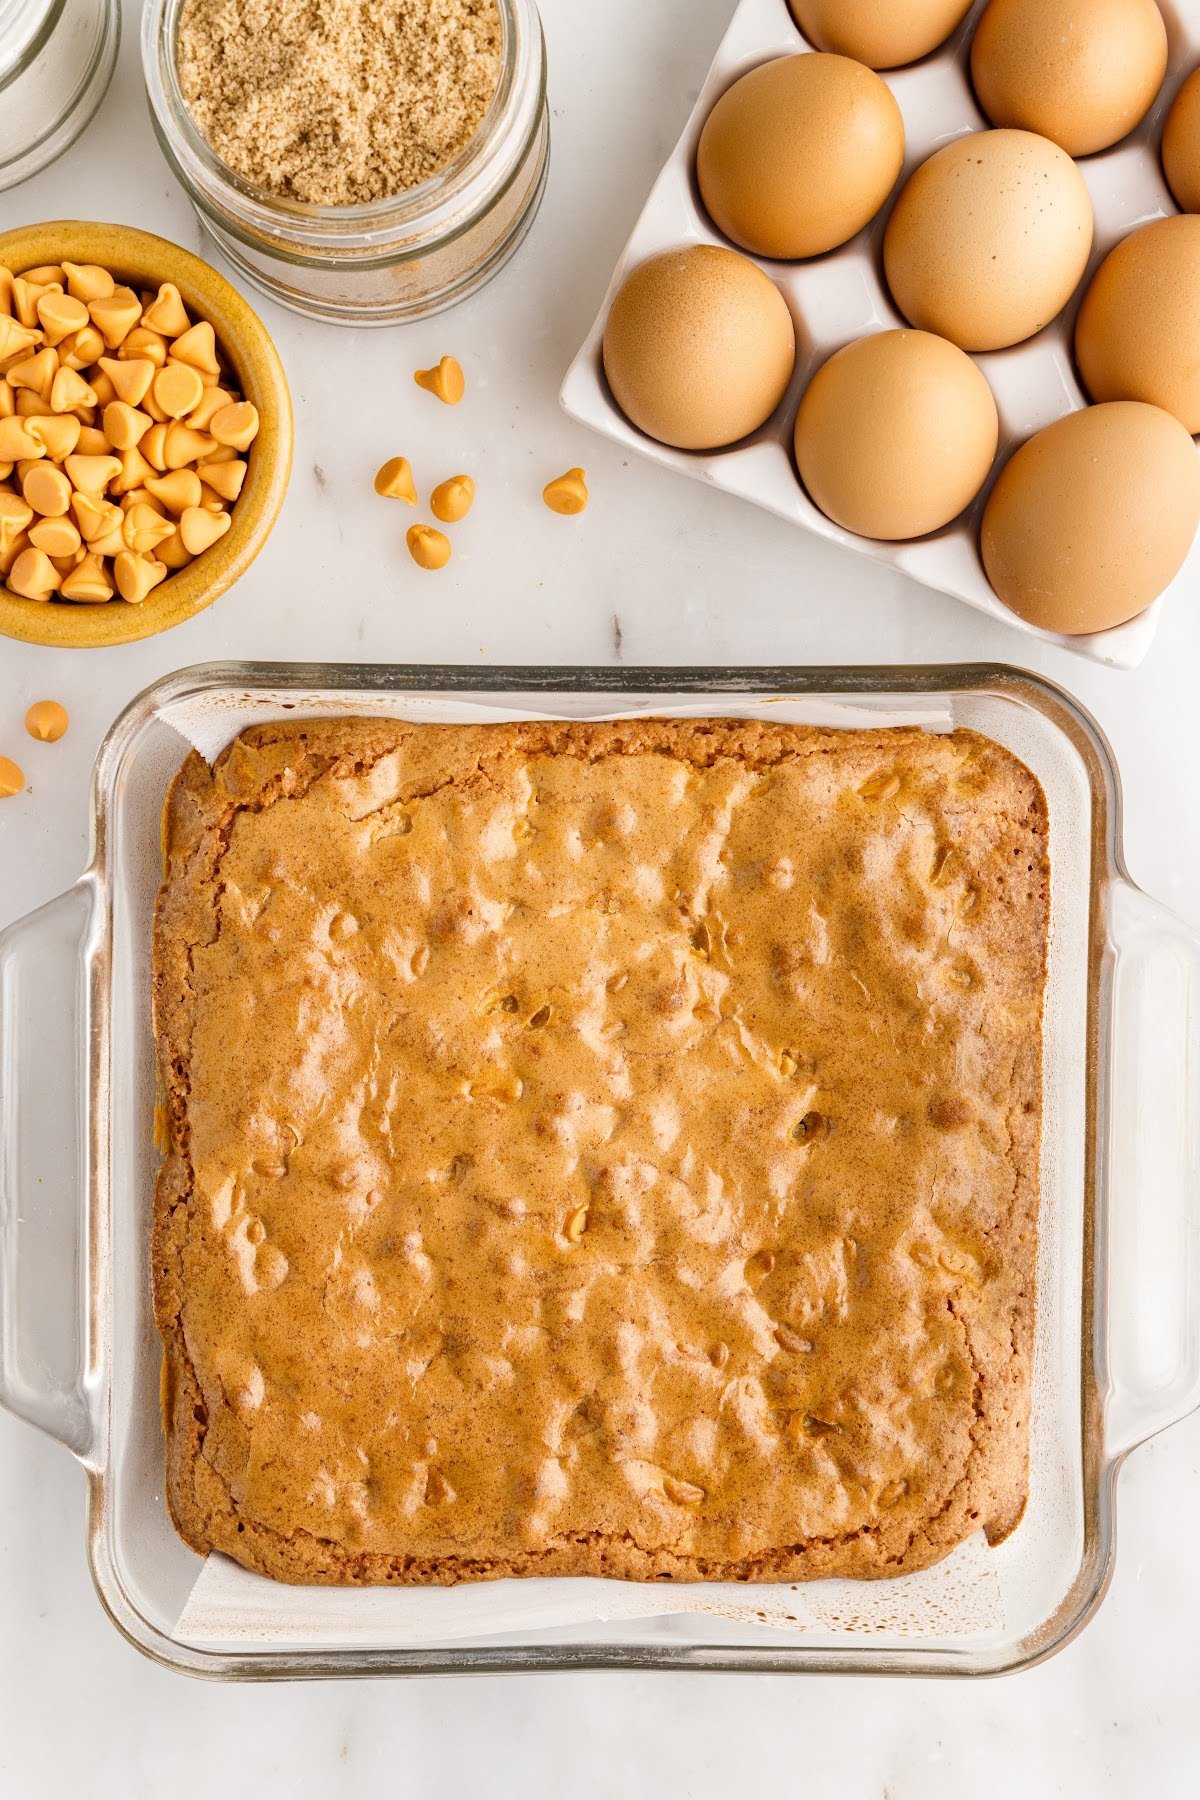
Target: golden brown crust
598, 1149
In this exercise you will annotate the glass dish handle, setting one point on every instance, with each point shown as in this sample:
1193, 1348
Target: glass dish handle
47, 1039
1153, 1252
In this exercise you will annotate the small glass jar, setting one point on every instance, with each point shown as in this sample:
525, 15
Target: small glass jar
387, 260
56, 61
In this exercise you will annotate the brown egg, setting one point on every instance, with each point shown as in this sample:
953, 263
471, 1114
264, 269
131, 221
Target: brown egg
989, 239
1137, 336
1091, 519
880, 33
1082, 72
896, 434
798, 155
699, 347
1181, 145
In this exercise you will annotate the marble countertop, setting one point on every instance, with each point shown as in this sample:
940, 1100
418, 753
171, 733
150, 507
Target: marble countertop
658, 570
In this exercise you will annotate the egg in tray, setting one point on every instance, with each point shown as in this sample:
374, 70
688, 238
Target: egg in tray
935, 299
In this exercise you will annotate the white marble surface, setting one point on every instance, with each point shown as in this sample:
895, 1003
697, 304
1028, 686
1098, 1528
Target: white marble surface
659, 570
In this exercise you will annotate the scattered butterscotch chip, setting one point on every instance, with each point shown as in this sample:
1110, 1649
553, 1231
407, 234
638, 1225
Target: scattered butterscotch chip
446, 382
566, 494
12, 778
452, 500
428, 547
395, 480
47, 721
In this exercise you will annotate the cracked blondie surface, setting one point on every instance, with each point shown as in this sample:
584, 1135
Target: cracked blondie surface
603, 1149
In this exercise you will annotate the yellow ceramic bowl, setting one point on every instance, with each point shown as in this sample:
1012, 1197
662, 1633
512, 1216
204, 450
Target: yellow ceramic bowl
143, 261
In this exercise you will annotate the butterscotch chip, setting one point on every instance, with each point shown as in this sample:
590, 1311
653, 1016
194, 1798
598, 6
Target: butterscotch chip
92, 475
47, 721
59, 315
395, 480
589, 1274
115, 315
33, 575
428, 547
212, 401
452, 500
136, 575
36, 374
125, 426
69, 391
58, 537
576, 1224
142, 344
167, 314
57, 434
197, 346
131, 379
198, 528
88, 282
81, 349
225, 479
181, 488
178, 390
12, 778
236, 425
445, 381
567, 493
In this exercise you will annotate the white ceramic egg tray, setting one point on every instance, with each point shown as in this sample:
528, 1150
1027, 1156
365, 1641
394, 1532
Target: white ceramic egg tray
843, 295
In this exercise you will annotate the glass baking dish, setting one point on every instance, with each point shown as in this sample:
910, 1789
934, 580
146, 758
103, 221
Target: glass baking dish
1117, 1353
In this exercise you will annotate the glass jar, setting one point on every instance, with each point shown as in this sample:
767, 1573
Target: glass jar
386, 260
56, 61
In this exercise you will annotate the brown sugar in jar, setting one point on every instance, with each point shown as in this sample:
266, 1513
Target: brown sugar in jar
339, 103
363, 161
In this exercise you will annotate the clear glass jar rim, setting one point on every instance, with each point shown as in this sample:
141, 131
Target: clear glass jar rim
430, 210
24, 34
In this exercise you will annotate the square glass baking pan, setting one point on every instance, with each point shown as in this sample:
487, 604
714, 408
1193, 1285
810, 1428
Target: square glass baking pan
1117, 1351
